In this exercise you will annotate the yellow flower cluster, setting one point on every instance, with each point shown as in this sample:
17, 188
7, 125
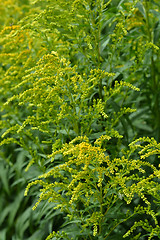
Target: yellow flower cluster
83, 177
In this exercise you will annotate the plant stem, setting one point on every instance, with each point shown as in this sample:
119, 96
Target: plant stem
154, 82
98, 39
124, 220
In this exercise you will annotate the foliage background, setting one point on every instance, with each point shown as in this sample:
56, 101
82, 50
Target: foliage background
66, 69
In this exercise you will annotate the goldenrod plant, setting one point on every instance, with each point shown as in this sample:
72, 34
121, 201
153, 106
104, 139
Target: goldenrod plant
137, 60
91, 187
71, 75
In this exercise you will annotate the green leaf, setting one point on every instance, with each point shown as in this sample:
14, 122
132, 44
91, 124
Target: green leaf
4, 177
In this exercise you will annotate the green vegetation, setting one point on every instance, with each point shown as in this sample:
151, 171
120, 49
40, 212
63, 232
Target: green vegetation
79, 119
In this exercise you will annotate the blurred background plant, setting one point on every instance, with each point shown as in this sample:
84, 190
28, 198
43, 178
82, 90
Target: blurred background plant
132, 47
67, 69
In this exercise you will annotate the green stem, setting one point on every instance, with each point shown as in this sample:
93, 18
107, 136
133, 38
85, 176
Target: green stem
101, 210
154, 84
150, 38
124, 220
98, 39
